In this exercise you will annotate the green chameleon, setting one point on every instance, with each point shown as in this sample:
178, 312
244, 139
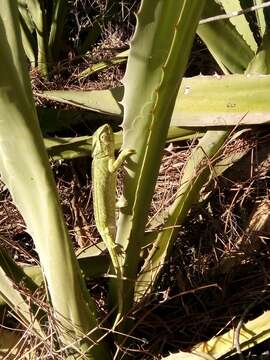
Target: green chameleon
104, 168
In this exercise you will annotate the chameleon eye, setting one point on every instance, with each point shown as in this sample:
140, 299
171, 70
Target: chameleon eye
104, 137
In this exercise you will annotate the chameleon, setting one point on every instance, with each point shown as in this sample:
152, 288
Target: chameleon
104, 170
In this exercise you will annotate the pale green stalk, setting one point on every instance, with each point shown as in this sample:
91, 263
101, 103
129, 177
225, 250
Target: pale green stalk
15, 282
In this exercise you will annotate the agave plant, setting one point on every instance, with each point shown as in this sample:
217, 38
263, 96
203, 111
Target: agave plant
158, 51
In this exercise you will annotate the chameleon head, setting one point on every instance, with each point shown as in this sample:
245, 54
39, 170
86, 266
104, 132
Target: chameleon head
103, 142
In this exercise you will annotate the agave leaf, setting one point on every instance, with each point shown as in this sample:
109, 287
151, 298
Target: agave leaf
230, 159
28, 43
222, 101
14, 298
92, 266
98, 100
261, 21
26, 172
69, 148
53, 120
118, 59
159, 50
12, 278
240, 22
217, 169
59, 13
252, 333
202, 101
38, 16
189, 191
261, 62
27, 28
195, 175
24, 12
15, 273
229, 60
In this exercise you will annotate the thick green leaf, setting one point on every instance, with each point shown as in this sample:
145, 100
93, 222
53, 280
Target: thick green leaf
69, 148
59, 12
240, 22
26, 172
16, 275
38, 15
222, 40
231, 100
105, 101
202, 101
13, 286
158, 51
15, 299
27, 29
261, 62
261, 21
91, 266
52, 121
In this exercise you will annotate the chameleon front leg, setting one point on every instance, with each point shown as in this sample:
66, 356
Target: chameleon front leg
114, 165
